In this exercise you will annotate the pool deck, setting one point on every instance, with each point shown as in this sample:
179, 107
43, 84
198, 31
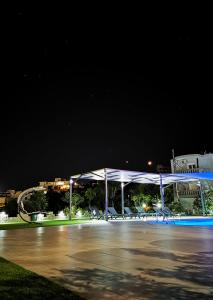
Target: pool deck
118, 260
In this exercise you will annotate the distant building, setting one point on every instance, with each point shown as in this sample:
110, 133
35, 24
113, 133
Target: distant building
3, 197
7, 195
192, 163
187, 193
58, 184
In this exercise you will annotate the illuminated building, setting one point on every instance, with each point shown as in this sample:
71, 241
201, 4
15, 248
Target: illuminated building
187, 193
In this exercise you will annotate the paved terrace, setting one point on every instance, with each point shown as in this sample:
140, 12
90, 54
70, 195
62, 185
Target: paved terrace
118, 260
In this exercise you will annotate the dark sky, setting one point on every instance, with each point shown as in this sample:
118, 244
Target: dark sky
97, 91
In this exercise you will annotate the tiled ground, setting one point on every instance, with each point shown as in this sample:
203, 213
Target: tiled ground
118, 260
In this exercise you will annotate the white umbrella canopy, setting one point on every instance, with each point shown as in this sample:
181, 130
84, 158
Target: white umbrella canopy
126, 176
142, 177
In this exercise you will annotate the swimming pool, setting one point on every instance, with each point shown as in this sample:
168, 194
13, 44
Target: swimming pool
186, 222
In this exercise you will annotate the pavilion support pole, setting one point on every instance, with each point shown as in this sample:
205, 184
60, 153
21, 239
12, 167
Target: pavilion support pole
175, 185
122, 198
161, 192
106, 196
202, 199
70, 206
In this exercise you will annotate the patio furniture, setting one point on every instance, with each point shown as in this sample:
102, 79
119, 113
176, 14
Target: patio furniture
130, 213
142, 212
164, 212
168, 212
114, 214
158, 211
95, 213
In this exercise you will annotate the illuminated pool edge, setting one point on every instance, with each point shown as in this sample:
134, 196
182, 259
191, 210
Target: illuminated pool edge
185, 222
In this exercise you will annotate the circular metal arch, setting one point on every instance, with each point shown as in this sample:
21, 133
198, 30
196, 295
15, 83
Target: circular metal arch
22, 197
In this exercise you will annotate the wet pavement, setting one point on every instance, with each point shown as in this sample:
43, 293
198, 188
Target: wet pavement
118, 260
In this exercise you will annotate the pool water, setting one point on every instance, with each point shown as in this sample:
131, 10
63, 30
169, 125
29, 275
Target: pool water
186, 222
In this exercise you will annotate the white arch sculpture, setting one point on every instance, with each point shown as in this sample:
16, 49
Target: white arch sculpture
22, 197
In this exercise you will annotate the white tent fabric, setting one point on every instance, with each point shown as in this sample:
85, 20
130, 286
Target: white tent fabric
142, 177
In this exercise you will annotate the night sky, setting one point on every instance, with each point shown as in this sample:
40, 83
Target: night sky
110, 91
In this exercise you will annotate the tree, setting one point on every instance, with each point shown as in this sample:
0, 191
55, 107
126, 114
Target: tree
100, 195
77, 199
37, 202
168, 196
140, 199
177, 207
11, 207
209, 201
55, 200
144, 194
197, 206
113, 188
90, 194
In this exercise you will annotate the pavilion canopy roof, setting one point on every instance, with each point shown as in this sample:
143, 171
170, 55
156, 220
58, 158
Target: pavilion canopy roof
143, 177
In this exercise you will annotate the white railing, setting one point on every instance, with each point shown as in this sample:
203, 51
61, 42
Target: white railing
194, 170
189, 193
